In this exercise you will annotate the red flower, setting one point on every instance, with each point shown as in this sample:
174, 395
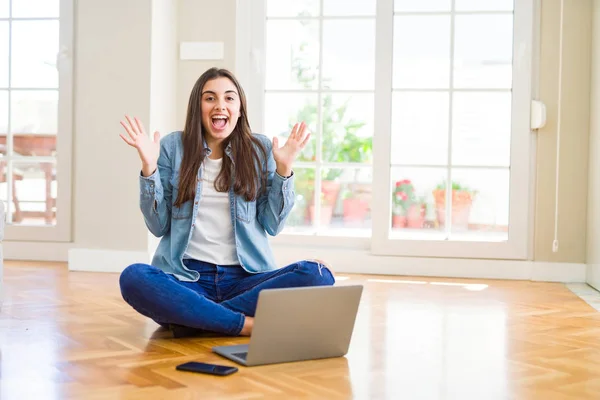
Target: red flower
401, 196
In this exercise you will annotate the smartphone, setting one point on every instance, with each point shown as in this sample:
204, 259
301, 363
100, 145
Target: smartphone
205, 368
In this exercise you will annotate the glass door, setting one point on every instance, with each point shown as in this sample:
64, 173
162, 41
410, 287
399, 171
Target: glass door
420, 118
313, 73
35, 118
453, 113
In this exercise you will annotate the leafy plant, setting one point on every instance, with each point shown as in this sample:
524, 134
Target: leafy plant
455, 186
403, 197
339, 138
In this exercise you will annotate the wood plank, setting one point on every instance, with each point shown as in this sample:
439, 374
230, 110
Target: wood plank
70, 335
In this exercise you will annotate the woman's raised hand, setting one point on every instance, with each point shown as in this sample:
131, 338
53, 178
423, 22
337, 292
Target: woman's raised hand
285, 156
148, 149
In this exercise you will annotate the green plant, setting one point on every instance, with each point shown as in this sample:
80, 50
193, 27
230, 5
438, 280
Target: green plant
455, 186
339, 138
403, 197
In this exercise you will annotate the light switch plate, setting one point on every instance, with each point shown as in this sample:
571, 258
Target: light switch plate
201, 50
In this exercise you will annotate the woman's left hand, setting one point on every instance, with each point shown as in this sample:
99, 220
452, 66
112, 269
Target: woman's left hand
285, 156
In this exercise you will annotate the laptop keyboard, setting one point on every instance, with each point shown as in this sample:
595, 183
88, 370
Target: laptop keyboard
241, 355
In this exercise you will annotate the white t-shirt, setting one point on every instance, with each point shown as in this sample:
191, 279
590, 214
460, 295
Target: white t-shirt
212, 237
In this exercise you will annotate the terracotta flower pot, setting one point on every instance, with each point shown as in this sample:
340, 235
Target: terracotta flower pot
398, 221
415, 217
355, 209
461, 208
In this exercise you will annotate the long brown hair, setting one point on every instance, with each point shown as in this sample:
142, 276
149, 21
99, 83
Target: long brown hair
244, 152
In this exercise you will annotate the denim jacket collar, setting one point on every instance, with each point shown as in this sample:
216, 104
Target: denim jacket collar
208, 150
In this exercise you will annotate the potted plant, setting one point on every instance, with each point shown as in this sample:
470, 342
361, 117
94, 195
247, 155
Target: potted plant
415, 216
355, 206
462, 200
339, 138
403, 196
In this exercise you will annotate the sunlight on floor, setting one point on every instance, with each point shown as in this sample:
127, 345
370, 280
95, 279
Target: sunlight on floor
475, 287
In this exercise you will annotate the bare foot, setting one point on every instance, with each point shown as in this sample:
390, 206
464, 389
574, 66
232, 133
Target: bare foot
247, 328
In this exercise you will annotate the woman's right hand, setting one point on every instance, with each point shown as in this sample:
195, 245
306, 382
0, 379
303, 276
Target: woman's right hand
148, 149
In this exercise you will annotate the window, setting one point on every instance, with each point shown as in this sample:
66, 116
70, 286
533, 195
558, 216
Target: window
405, 99
35, 114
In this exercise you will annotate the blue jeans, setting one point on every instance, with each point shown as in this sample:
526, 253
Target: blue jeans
219, 300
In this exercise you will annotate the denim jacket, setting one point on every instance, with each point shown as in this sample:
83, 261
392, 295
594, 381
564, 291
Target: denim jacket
252, 220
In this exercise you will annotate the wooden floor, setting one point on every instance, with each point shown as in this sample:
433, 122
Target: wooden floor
70, 335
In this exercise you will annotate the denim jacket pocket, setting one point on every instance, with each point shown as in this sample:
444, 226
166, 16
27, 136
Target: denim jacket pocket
246, 210
185, 211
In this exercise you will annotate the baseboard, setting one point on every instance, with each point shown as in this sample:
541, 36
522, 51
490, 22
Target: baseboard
593, 277
558, 272
99, 260
36, 251
362, 262
342, 260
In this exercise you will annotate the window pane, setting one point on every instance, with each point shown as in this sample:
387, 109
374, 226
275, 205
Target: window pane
421, 51
480, 204
423, 5
34, 111
292, 8
292, 59
34, 50
3, 120
347, 127
304, 188
35, 8
413, 202
481, 129
345, 199
4, 10
487, 5
356, 197
348, 7
483, 51
4, 54
349, 54
3, 185
282, 111
34, 195
420, 128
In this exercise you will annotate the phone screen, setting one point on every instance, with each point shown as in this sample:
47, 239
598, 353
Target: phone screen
205, 368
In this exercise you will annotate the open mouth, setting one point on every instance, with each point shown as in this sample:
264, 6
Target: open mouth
219, 121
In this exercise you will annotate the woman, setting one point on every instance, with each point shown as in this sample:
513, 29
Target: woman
213, 192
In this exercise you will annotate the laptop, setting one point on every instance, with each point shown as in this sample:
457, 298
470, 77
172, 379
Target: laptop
295, 324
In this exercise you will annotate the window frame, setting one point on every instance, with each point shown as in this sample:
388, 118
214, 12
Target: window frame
61, 231
250, 69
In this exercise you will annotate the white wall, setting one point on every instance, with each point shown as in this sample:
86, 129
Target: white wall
575, 118
203, 21
163, 79
593, 225
125, 63
112, 77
